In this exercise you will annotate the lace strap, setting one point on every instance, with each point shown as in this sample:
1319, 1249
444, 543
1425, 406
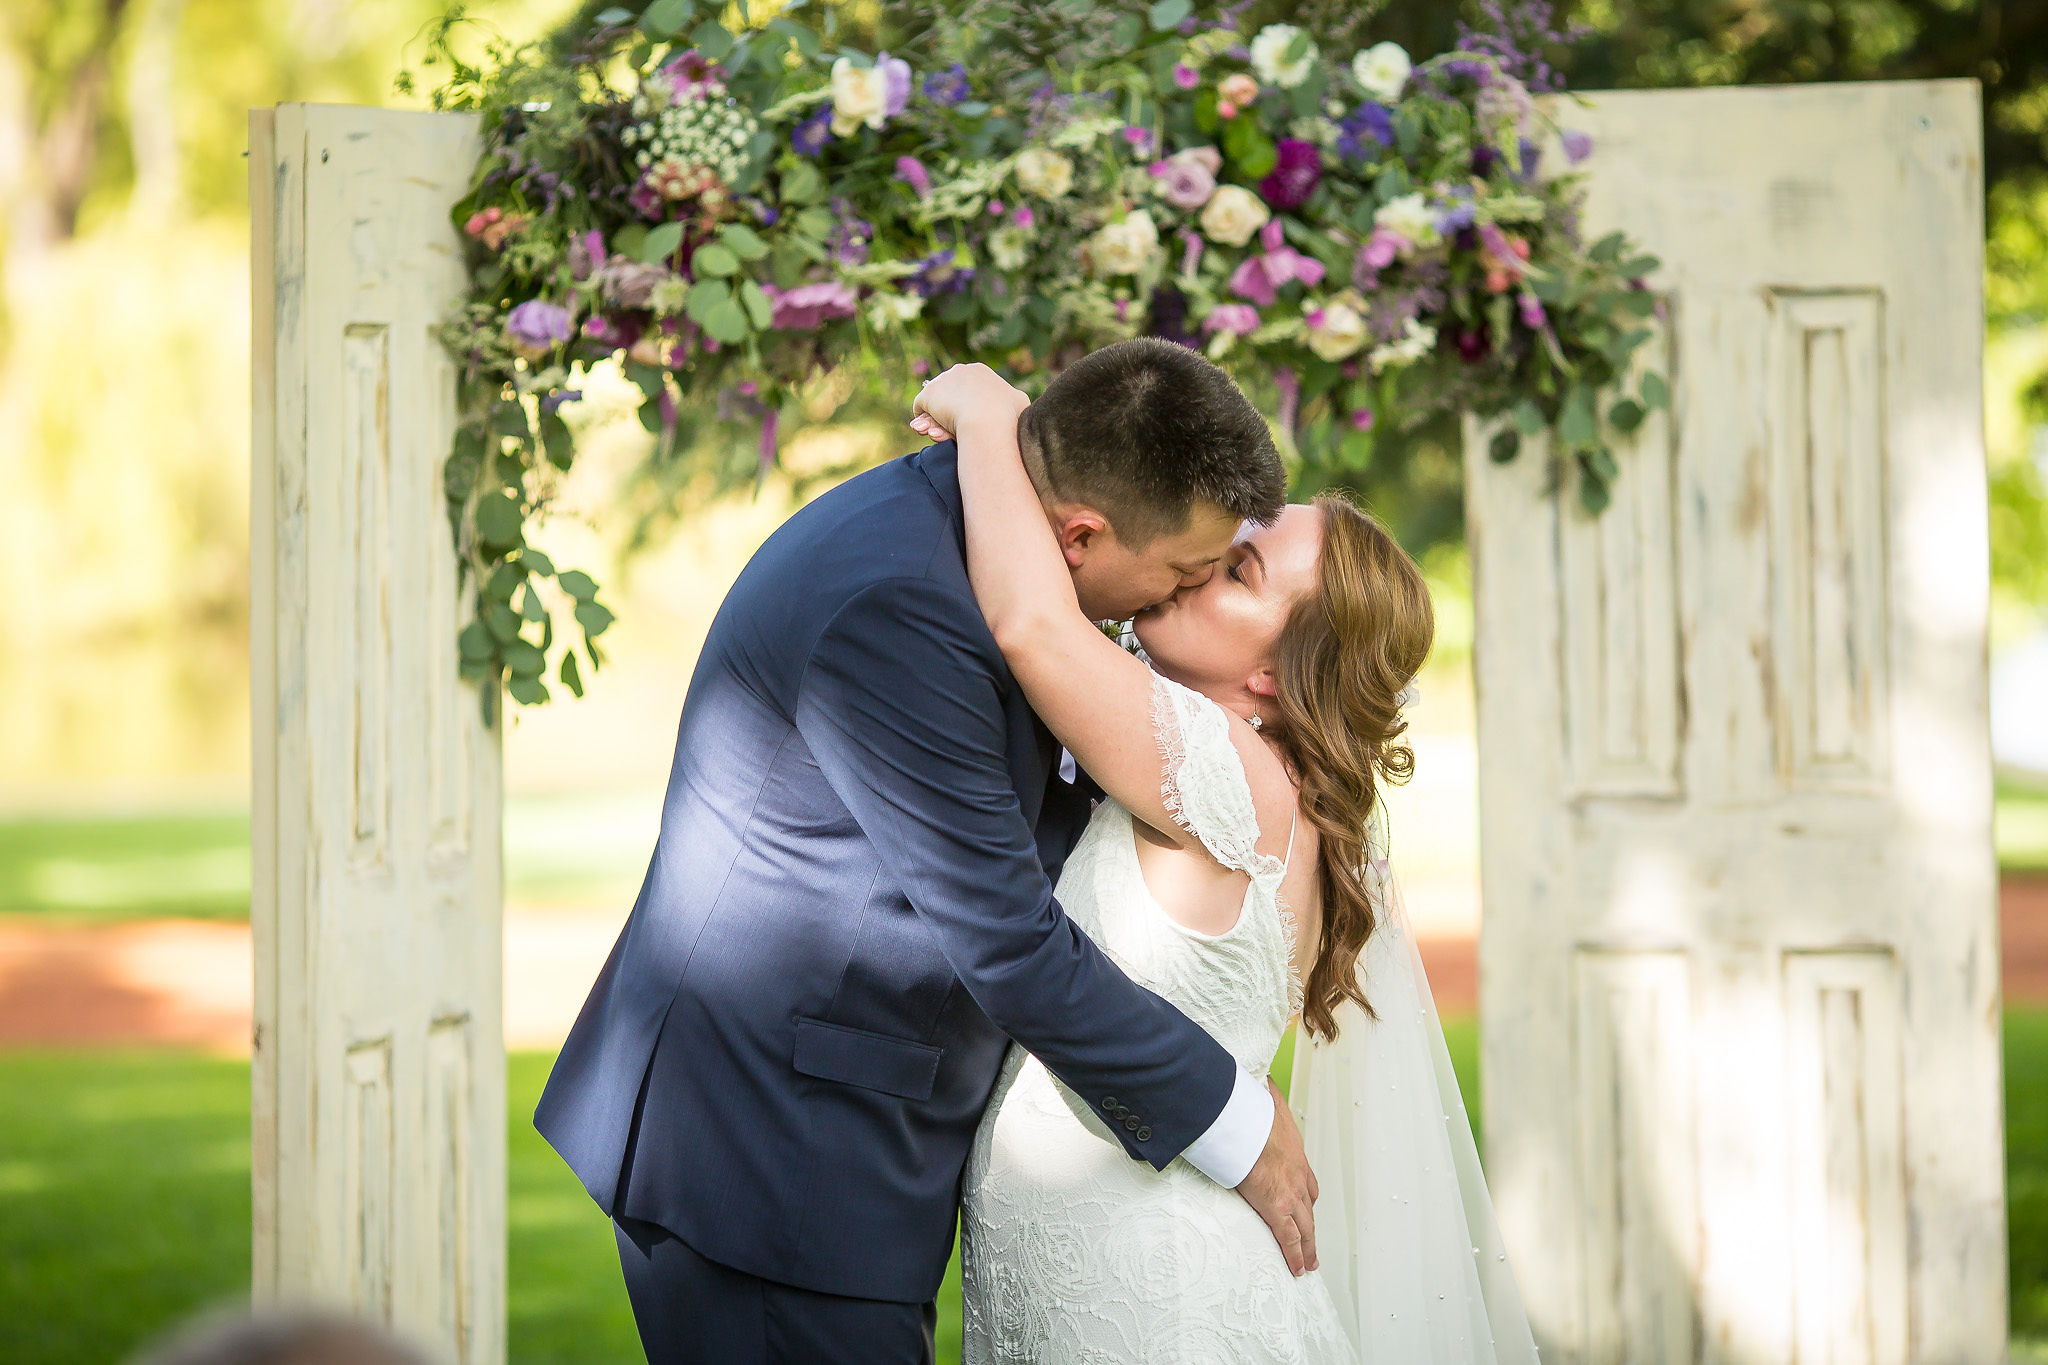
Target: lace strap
1202, 779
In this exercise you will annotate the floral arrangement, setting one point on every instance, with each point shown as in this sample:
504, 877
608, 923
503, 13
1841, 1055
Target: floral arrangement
732, 213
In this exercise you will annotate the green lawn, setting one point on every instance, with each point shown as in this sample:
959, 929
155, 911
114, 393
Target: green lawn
587, 849
124, 1205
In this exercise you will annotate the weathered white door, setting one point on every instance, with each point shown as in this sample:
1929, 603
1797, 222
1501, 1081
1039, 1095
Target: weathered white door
1739, 964
379, 1085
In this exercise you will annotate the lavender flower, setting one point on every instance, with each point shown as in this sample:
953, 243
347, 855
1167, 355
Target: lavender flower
809, 137
538, 325
849, 238
1530, 155
938, 273
1577, 145
948, 87
895, 82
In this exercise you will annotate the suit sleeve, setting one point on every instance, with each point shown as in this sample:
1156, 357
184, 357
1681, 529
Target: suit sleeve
901, 706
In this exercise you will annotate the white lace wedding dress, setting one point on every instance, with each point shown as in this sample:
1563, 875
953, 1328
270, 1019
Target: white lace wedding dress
1073, 1253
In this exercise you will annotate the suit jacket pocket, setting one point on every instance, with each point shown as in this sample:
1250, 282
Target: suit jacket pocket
895, 1066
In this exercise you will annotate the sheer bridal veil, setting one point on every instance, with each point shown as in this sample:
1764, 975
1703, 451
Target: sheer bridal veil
1405, 1231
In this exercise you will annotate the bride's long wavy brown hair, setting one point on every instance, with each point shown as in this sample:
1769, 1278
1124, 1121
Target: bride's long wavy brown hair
1347, 649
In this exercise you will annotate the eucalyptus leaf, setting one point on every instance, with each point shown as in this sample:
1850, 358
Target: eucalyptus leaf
704, 297
1593, 494
500, 621
533, 561
1626, 415
556, 440
1640, 266
577, 584
593, 617
743, 241
531, 607
475, 641
727, 322
1166, 14
713, 259
1575, 425
816, 222
758, 307
1655, 392
526, 689
497, 520
1129, 29
802, 184
523, 659
571, 678
1528, 417
1640, 302
665, 18
711, 39
660, 243
1607, 249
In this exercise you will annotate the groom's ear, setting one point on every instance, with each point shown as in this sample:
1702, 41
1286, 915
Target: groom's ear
1080, 530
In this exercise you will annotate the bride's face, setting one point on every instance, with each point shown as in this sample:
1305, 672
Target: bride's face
1216, 637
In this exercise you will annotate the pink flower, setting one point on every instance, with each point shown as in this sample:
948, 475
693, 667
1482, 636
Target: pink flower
1185, 76
1225, 110
1380, 250
1260, 277
1139, 138
911, 172
1531, 309
1184, 181
1240, 318
809, 306
1239, 87
1022, 216
1362, 419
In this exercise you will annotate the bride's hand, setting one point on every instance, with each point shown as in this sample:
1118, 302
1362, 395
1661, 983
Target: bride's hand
960, 394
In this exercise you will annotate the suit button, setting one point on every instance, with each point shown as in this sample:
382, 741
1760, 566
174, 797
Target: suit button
1144, 1135
1131, 1123
1109, 1103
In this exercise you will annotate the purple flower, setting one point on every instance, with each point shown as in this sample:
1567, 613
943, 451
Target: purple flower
1368, 123
1185, 76
1259, 277
808, 306
895, 83
1361, 419
1531, 309
939, 274
647, 201
615, 332
1022, 216
1530, 154
1139, 138
1483, 157
549, 402
1241, 318
1577, 146
809, 137
1295, 175
911, 172
849, 238
538, 325
1456, 216
586, 254
947, 87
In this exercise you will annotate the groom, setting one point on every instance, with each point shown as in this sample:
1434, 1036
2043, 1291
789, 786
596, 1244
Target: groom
849, 913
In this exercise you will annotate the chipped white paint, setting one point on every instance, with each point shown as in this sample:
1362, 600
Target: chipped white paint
1739, 965
379, 1065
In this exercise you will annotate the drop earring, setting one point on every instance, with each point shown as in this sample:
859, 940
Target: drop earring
1257, 721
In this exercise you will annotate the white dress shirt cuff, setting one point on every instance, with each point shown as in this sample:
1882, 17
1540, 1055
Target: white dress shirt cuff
1230, 1148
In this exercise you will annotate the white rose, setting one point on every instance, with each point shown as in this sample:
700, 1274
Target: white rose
1233, 214
1381, 70
889, 309
860, 94
1416, 341
1045, 174
1411, 217
1125, 248
1339, 332
1270, 59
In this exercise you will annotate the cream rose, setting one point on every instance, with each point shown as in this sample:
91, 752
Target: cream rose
1233, 214
1338, 330
1270, 59
1410, 218
1126, 247
1382, 70
860, 95
1044, 173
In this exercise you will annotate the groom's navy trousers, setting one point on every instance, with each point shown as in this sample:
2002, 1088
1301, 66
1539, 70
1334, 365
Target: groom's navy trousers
848, 915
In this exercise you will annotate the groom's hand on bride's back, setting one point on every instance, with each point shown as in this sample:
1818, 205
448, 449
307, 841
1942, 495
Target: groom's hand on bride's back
1282, 1189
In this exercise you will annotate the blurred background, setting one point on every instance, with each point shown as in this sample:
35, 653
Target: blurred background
124, 702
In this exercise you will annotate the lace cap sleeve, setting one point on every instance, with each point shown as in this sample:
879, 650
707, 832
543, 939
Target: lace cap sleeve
1202, 779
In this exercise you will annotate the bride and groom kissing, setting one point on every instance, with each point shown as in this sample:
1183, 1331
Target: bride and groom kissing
962, 912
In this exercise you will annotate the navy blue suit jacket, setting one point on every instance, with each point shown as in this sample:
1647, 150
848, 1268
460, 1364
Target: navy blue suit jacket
848, 915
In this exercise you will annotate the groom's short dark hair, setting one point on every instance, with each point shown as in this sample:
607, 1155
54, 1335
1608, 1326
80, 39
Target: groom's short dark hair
1141, 431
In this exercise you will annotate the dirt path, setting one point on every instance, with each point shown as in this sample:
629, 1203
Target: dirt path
187, 983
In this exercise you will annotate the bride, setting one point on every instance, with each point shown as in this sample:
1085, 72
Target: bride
1238, 869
